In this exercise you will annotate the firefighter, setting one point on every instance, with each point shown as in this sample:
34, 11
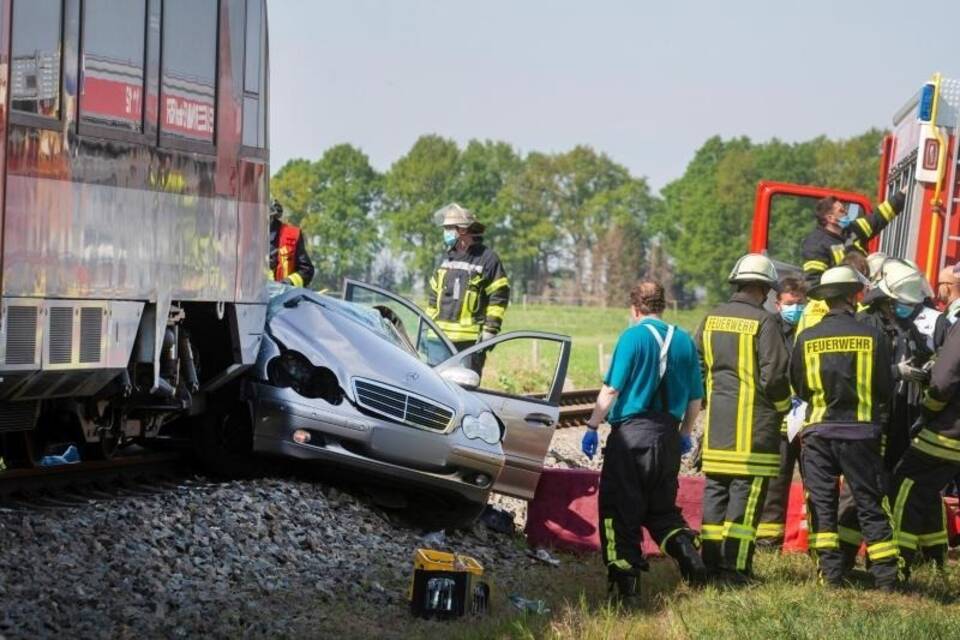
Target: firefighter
841, 369
948, 295
651, 397
932, 460
839, 230
289, 262
744, 359
469, 291
790, 303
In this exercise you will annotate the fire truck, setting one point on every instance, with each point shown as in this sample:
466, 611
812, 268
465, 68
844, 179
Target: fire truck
921, 152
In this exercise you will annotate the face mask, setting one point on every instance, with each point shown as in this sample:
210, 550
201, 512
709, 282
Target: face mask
903, 311
847, 219
791, 313
449, 237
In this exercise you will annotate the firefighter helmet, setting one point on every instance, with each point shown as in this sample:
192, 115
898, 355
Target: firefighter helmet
453, 215
838, 282
903, 283
875, 261
755, 268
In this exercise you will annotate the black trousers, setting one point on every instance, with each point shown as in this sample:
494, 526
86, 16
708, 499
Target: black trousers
824, 460
773, 517
474, 361
638, 488
731, 511
919, 516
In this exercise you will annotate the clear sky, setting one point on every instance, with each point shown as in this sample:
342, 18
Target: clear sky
644, 81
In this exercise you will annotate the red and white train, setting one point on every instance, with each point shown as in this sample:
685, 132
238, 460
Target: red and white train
133, 214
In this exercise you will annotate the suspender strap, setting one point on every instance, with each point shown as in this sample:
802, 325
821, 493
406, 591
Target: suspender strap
664, 350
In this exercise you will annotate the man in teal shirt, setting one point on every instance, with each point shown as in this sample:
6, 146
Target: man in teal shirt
651, 398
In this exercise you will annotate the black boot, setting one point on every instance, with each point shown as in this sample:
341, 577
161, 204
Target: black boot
887, 575
683, 548
623, 587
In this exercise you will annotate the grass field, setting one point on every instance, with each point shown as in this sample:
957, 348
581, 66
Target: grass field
513, 366
786, 603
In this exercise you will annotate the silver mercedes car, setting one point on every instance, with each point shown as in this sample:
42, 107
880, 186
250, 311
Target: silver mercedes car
368, 383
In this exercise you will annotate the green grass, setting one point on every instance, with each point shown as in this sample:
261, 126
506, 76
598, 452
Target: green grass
787, 603
589, 327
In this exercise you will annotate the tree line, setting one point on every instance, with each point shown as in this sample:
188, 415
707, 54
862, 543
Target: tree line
573, 225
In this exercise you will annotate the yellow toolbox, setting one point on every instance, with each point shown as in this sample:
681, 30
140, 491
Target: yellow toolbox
447, 585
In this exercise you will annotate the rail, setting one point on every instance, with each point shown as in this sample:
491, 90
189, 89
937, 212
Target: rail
576, 407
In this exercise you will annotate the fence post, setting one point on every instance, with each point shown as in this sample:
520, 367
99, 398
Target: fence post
535, 354
600, 359
524, 302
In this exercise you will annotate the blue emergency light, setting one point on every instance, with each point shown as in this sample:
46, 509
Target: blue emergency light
926, 102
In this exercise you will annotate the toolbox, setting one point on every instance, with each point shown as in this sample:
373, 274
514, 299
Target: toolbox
447, 585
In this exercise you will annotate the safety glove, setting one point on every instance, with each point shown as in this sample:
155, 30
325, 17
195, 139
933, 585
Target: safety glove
590, 443
904, 370
686, 444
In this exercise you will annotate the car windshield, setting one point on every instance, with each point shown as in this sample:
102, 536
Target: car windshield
282, 296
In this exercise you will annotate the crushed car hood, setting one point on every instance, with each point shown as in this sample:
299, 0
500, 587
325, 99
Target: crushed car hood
348, 339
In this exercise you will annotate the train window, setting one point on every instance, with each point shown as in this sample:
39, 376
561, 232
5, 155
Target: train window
35, 72
188, 91
254, 111
112, 66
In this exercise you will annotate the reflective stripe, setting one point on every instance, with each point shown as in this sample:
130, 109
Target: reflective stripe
738, 531
837, 251
907, 540
611, 542
941, 441
818, 403
295, 279
747, 529
886, 210
825, 540
437, 284
782, 406
462, 266
932, 403
708, 362
814, 265
747, 394
882, 550
740, 469
864, 386
770, 530
742, 456
864, 225
936, 451
499, 283
933, 539
458, 333
903, 493
496, 311
849, 536
711, 532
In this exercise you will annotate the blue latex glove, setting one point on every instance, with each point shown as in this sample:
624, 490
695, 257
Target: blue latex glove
590, 443
686, 444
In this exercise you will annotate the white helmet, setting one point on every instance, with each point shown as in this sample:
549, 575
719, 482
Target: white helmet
755, 268
838, 282
903, 283
875, 261
453, 215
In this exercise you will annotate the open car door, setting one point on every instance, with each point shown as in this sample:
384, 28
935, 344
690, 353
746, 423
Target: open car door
521, 382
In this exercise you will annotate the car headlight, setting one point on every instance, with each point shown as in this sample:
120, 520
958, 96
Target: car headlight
485, 427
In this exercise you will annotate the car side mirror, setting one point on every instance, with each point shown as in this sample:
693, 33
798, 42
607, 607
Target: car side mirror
461, 376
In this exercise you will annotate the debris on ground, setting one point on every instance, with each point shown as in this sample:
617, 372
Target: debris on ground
542, 555
538, 607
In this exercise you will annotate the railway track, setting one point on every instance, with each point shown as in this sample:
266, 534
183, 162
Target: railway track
141, 473
576, 407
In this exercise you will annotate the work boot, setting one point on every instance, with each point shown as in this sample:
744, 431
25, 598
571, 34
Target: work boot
731, 577
887, 576
623, 587
683, 548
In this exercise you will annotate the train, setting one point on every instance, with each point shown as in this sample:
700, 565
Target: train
134, 218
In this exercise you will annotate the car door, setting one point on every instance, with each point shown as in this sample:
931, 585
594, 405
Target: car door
521, 382
432, 345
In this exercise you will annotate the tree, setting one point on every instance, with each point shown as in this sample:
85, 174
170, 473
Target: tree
416, 186
334, 201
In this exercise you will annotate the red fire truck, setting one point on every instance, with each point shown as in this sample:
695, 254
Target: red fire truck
920, 152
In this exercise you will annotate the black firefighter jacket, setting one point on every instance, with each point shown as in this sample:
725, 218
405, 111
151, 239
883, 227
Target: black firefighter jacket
822, 249
841, 369
940, 436
745, 366
469, 293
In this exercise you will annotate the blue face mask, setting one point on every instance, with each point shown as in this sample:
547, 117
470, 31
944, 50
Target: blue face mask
903, 311
791, 313
449, 237
848, 219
